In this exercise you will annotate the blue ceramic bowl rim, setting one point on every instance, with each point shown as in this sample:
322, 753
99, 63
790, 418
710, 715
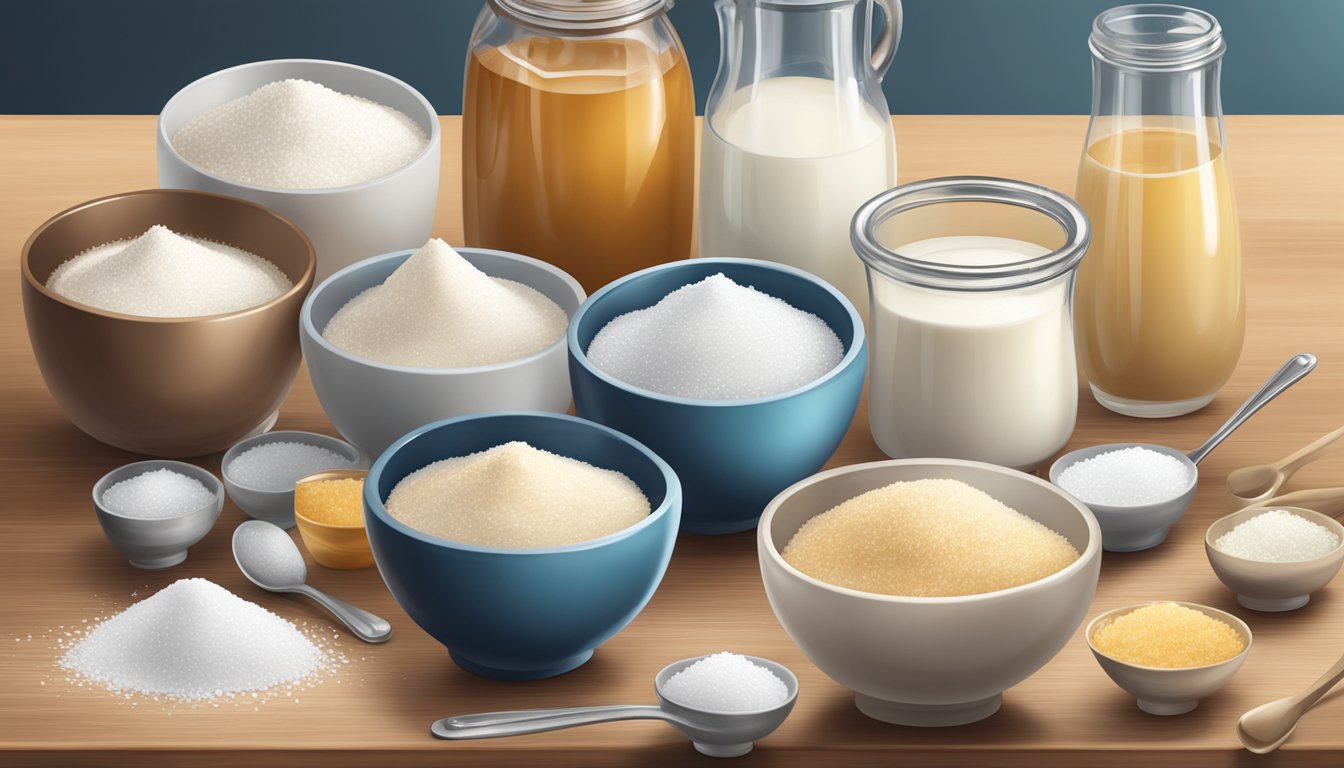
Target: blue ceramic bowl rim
769, 549
433, 138
856, 345
300, 435
215, 487
671, 495
308, 329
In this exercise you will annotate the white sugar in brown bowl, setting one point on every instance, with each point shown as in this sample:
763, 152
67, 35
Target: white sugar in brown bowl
1275, 558
346, 222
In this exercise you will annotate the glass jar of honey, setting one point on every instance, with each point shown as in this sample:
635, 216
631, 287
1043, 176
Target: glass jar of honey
578, 143
1160, 304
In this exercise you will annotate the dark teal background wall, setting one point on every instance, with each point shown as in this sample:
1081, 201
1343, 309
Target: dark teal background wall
958, 56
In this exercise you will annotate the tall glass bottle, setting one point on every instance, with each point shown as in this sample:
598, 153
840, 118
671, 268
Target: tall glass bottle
1159, 307
578, 142
797, 134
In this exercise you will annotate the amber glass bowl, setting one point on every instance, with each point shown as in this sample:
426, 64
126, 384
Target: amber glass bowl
170, 387
335, 546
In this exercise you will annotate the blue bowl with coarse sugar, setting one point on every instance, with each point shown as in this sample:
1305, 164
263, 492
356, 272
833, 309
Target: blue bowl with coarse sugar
523, 614
733, 456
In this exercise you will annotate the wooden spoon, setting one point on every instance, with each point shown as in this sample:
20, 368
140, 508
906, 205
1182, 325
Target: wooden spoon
1266, 727
1251, 484
1327, 501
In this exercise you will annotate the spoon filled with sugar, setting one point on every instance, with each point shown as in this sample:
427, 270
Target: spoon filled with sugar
722, 702
1265, 728
1139, 490
1254, 484
268, 557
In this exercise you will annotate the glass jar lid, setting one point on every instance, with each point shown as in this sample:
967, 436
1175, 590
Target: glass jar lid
1156, 37
971, 205
580, 16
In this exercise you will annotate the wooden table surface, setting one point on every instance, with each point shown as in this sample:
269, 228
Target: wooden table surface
57, 571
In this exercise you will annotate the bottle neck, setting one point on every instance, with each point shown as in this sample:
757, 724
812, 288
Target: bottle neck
796, 40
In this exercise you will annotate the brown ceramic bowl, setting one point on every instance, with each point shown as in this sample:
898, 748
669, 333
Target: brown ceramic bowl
171, 387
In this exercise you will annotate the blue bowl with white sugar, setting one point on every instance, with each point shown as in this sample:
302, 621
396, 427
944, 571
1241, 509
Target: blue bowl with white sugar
522, 613
733, 452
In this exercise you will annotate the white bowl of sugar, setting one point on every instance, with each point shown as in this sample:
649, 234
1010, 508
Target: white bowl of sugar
350, 154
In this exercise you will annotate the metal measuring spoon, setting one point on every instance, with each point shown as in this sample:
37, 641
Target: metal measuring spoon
717, 734
1268, 726
1254, 484
1143, 526
250, 543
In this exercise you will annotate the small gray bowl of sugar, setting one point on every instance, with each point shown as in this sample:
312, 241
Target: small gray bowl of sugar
1136, 490
260, 472
1274, 558
152, 511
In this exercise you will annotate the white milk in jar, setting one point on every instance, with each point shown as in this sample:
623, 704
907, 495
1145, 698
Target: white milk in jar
785, 164
971, 346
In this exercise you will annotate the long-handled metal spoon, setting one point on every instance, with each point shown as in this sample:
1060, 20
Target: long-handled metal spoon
1266, 727
269, 559
717, 734
1256, 483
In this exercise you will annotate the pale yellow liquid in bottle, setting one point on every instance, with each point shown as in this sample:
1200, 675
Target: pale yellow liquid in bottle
580, 152
1159, 306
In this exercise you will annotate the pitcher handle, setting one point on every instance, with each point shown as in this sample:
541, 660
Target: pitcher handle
885, 49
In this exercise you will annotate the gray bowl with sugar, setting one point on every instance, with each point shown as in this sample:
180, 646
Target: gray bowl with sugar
156, 543
277, 506
346, 223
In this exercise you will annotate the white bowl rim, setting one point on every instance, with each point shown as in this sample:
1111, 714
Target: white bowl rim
766, 541
857, 344
298, 436
309, 329
215, 487
1227, 618
1214, 551
431, 144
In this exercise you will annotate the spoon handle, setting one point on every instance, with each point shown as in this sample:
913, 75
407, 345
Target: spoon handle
366, 626
1327, 501
1310, 453
494, 724
1292, 371
1308, 698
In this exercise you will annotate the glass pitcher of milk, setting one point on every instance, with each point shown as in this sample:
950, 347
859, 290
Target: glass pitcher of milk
797, 134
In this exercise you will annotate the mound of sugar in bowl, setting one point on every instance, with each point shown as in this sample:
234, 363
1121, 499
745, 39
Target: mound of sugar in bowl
1167, 635
437, 310
716, 340
516, 496
279, 465
194, 640
1278, 536
926, 538
157, 494
296, 134
164, 274
726, 682
1126, 477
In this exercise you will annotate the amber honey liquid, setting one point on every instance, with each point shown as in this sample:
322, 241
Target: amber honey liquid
1159, 305
580, 152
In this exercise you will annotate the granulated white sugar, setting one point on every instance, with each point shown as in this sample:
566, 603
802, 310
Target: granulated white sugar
437, 310
1278, 536
277, 466
927, 538
194, 640
716, 340
296, 134
516, 496
164, 274
1126, 477
271, 555
726, 682
157, 494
